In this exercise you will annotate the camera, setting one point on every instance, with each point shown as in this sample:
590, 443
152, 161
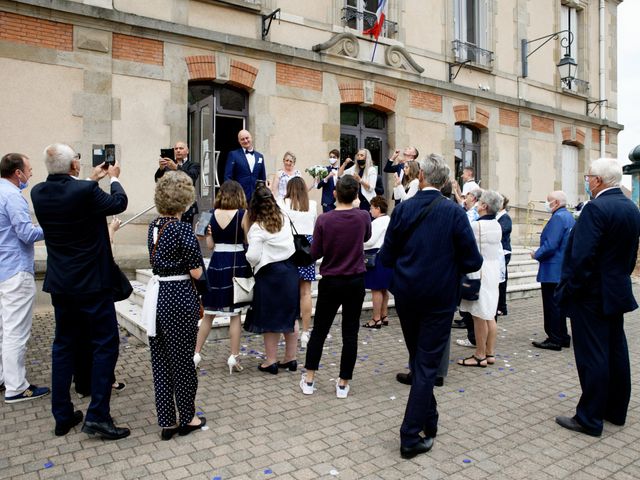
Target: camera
167, 153
104, 154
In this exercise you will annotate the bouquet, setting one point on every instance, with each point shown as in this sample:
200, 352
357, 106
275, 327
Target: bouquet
318, 172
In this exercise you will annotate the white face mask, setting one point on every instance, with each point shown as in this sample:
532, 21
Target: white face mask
547, 207
332, 160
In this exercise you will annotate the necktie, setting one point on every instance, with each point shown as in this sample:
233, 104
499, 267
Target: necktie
249, 152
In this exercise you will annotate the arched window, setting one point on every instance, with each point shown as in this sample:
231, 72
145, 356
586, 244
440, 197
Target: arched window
467, 149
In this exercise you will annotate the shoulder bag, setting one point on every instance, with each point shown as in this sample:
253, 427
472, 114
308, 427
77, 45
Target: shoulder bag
242, 286
302, 256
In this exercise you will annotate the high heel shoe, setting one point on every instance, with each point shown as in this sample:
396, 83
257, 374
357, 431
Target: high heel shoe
376, 324
272, 369
234, 364
292, 365
168, 433
385, 322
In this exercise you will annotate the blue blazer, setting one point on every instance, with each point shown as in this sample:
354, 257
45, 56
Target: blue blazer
327, 186
237, 168
72, 214
601, 255
389, 167
553, 243
506, 224
428, 264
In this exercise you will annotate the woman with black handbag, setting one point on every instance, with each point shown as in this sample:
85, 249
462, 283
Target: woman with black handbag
488, 235
276, 300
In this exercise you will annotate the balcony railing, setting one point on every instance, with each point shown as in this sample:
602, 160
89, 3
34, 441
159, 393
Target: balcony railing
467, 52
363, 20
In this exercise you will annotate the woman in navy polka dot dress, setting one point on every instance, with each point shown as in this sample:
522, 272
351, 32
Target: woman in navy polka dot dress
176, 259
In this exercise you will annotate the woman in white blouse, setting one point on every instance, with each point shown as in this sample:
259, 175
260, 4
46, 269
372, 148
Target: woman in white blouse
281, 178
276, 302
303, 213
378, 277
407, 187
366, 174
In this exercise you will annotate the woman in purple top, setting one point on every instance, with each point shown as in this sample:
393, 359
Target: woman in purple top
338, 239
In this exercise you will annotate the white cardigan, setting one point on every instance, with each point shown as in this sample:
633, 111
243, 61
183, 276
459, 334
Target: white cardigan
378, 231
302, 221
265, 247
371, 177
400, 194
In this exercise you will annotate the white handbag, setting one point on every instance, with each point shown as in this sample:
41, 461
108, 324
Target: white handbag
242, 287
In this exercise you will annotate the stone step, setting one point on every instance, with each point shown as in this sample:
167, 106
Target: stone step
522, 266
521, 278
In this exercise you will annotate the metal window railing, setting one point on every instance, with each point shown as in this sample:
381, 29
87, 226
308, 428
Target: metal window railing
468, 52
354, 18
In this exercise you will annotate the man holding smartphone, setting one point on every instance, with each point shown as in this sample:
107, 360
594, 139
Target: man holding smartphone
181, 162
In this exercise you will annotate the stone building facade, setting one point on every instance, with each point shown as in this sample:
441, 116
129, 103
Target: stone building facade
445, 76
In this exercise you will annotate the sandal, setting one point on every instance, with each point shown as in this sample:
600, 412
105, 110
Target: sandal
475, 359
385, 322
491, 359
375, 324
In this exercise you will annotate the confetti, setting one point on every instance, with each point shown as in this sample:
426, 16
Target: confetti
392, 397
206, 427
48, 465
268, 471
334, 472
562, 395
216, 478
466, 460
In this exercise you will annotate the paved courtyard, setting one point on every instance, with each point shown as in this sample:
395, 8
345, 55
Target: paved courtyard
495, 423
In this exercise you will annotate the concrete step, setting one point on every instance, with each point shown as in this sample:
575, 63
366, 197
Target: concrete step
521, 278
522, 266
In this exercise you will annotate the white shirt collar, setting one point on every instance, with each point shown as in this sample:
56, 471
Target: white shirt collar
606, 189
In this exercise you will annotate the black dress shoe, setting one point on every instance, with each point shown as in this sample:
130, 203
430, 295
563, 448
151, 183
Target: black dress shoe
272, 369
62, 428
106, 430
404, 378
187, 429
423, 446
168, 433
547, 345
566, 344
292, 365
439, 382
570, 423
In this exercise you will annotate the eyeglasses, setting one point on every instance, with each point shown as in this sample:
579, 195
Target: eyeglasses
586, 177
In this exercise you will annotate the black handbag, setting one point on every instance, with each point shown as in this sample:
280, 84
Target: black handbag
121, 286
302, 256
370, 260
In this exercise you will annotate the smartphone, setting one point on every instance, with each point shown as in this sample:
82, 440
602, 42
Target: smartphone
203, 222
97, 155
166, 153
109, 154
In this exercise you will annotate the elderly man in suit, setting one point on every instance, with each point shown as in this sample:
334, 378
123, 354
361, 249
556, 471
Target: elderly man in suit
595, 287
80, 277
553, 243
245, 165
430, 244
182, 163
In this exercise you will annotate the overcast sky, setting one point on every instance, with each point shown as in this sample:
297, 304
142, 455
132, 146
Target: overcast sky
628, 78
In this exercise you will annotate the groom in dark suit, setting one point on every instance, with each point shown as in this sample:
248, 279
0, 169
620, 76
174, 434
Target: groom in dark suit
595, 289
245, 165
79, 278
429, 244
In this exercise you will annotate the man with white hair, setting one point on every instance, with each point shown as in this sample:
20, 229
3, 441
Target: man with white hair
595, 288
80, 276
553, 243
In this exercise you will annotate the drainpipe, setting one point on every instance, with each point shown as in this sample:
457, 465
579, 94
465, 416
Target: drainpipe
602, 79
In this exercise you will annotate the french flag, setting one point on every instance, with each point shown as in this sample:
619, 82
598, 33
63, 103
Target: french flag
377, 27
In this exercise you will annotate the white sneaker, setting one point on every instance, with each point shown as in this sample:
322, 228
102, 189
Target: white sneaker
305, 387
196, 359
464, 342
342, 392
304, 338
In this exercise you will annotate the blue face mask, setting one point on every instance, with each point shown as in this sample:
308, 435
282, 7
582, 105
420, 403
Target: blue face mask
587, 188
22, 185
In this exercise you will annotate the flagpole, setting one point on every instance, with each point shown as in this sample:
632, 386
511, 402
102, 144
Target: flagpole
375, 45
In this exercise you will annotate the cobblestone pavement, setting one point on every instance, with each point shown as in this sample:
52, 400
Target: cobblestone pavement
494, 423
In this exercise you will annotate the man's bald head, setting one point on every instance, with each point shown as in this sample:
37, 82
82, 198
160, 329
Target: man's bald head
245, 140
557, 199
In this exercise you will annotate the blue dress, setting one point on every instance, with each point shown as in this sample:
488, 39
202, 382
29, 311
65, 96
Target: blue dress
219, 298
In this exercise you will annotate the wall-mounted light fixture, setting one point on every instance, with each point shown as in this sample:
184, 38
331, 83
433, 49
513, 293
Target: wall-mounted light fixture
567, 66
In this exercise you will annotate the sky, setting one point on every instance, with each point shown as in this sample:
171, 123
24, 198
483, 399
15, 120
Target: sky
628, 79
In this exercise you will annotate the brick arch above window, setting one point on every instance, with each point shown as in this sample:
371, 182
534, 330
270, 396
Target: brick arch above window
573, 136
368, 94
222, 69
474, 116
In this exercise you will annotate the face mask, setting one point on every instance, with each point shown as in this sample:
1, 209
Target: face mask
362, 162
22, 185
587, 188
332, 160
547, 207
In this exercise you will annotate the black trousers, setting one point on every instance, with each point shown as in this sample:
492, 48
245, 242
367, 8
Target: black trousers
426, 334
602, 359
555, 320
468, 323
502, 287
347, 291
83, 319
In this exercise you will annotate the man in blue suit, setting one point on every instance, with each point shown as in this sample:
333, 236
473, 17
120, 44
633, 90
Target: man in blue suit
553, 243
80, 278
245, 165
328, 183
430, 244
595, 287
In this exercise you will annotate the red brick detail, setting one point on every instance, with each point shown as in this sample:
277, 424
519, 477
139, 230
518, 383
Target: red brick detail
482, 117
137, 49
425, 101
36, 31
580, 136
298, 77
542, 124
461, 112
351, 92
571, 137
242, 75
384, 99
595, 136
566, 135
508, 117
201, 67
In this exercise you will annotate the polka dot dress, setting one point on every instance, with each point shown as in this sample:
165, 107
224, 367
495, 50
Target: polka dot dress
308, 272
174, 375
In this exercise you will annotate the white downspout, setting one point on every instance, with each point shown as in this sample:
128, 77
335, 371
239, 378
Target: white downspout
602, 78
